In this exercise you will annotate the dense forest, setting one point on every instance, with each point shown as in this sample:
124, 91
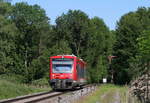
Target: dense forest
28, 39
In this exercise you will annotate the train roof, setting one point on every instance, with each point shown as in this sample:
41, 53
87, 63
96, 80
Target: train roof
67, 56
63, 56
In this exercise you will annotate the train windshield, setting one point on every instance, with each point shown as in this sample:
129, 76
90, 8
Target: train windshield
62, 68
62, 65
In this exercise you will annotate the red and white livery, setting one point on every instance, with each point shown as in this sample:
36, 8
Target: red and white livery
67, 72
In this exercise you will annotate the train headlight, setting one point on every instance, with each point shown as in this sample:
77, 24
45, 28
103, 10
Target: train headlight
74, 81
70, 75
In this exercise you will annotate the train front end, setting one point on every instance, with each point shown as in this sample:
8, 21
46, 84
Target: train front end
62, 72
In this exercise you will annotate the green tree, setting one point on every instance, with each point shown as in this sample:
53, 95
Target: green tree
74, 28
33, 26
144, 50
8, 33
143, 45
87, 38
129, 28
100, 45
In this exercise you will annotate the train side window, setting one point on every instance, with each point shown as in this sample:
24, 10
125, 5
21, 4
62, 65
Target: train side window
81, 68
81, 72
84, 71
78, 70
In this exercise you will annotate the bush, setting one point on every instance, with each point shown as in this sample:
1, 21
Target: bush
12, 78
41, 82
10, 89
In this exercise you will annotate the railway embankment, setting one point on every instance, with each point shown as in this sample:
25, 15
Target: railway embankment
140, 88
53, 96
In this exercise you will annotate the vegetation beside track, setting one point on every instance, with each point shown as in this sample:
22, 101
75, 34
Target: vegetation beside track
28, 39
107, 93
12, 86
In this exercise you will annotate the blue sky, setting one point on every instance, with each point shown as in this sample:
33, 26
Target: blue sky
109, 10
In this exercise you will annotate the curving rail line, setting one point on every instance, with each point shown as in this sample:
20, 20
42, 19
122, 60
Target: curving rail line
32, 98
52, 96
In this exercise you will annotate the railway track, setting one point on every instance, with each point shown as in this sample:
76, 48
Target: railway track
52, 96
33, 98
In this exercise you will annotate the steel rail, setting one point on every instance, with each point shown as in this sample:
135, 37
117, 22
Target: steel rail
38, 95
44, 98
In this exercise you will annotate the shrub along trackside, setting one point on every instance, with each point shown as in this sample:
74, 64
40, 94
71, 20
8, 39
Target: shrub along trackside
28, 39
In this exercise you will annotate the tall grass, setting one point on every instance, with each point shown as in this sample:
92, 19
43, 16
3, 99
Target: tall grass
12, 86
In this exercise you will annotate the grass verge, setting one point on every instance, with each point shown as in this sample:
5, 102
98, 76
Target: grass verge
9, 89
107, 93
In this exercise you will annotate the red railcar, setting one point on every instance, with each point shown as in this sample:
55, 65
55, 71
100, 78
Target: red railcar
67, 72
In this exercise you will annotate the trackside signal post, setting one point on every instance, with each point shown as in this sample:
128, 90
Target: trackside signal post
112, 70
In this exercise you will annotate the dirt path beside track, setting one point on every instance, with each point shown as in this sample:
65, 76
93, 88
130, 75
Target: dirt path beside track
109, 94
111, 97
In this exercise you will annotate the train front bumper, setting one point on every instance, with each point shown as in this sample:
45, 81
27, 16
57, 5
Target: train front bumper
61, 83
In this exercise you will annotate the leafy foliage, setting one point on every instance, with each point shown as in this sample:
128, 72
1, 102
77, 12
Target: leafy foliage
143, 43
99, 48
129, 28
74, 28
7, 39
142, 58
31, 22
27, 40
